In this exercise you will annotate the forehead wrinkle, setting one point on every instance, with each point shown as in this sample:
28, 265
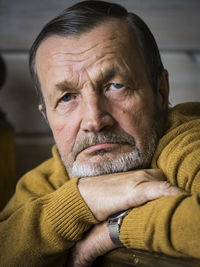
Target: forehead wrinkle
79, 56
104, 41
101, 77
97, 80
96, 75
103, 74
128, 68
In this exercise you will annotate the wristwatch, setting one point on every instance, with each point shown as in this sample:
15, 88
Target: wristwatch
114, 223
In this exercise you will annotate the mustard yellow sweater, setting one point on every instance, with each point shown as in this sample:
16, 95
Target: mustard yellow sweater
47, 214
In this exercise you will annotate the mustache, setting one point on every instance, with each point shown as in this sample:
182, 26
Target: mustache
100, 138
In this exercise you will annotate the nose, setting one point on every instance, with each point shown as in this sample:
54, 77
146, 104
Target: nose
95, 115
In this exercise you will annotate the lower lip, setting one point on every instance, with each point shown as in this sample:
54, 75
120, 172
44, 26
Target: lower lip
99, 147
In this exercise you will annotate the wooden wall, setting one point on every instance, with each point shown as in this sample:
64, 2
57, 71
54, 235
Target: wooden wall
175, 24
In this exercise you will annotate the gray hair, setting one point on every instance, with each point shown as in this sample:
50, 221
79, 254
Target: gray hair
84, 16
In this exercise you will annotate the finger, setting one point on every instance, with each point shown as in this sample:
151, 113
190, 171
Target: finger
147, 191
96, 243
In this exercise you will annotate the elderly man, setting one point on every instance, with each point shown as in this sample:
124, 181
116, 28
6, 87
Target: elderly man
125, 168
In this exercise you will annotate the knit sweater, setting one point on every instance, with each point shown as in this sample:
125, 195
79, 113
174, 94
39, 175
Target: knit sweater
47, 214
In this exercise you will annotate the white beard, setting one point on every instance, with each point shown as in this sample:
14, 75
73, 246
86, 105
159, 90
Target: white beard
122, 164
125, 162
133, 160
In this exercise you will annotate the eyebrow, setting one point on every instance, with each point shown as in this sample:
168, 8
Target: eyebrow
109, 74
66, 85
106, 76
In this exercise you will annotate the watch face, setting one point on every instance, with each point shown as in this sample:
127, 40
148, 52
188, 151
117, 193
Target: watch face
113, 223
118, 215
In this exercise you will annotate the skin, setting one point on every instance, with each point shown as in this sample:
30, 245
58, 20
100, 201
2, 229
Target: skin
80, 72
78, 77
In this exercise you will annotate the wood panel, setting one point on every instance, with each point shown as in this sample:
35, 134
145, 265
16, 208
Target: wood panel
31, 150
175, 23
141, 258
7, 162
33, 138
184, 77
19, 100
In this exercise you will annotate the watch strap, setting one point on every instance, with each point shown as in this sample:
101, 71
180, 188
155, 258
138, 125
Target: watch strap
114, 223
114, 232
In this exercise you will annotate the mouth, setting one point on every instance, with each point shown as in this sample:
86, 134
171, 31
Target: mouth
97, 147
102, 148
107, 142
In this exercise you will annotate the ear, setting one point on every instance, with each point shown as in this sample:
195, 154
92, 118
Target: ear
40, 107
163, 90
43, 112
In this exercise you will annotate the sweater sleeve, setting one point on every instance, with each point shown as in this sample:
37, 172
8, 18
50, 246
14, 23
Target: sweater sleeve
171, 224
43, 219
168, 225
178, 155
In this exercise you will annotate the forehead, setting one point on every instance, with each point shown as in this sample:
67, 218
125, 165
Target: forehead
112, 35
111, 44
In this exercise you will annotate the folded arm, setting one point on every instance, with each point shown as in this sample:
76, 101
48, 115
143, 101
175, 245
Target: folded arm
37, 229
124, 191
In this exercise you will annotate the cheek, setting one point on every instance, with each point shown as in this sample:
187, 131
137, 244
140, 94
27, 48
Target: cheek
64, 132
134, 116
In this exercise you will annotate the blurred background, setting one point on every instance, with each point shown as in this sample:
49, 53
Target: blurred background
174, 23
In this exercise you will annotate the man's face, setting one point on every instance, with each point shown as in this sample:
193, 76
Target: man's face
99, 102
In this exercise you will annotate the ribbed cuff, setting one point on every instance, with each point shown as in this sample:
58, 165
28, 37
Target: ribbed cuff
132, 230
148, 227
67, 211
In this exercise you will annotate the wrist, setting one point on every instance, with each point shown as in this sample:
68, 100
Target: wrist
114, 223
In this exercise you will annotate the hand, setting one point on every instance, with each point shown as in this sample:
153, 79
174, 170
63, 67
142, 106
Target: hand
108, 194
96, 243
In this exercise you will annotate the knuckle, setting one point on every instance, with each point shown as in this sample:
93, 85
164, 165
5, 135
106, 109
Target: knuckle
155, 174
136, 195
79, 258
150, 175
82, 261
170, 189
165, 185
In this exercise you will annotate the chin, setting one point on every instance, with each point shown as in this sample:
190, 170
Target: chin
104, 162
126, 162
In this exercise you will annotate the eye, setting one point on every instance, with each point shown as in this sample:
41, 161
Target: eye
116, 86
67, 97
